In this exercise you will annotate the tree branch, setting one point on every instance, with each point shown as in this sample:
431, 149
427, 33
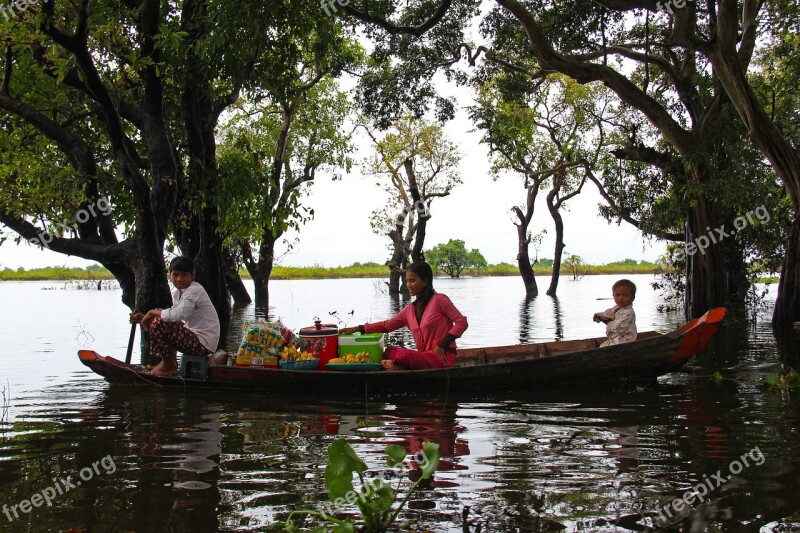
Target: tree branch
624, 215
77, 247
393, 29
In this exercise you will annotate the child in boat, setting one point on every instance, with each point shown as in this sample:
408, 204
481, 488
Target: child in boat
190, 326
434, 321
620, 320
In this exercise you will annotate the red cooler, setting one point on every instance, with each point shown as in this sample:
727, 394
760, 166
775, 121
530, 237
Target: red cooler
323, 341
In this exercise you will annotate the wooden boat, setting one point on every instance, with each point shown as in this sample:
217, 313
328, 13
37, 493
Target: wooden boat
519, 366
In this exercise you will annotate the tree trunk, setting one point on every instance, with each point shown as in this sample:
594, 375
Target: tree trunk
787, 304
151, 286
210, 271
261, 270
524, 263
422, 212
732, 73
396, 265
260, 290
559, 249
233, 281
715, 275
523, 258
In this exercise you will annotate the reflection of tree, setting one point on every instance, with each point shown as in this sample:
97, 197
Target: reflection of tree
528, 325
525, 320
557, 316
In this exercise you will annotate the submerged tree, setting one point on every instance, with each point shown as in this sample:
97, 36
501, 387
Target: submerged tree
453, 258
415, 163
549, 131
271, 155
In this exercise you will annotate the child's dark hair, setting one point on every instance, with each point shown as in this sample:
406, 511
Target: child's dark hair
182, 264
625, 283
423, 271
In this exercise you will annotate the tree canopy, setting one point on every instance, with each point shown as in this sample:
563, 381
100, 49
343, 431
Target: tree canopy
453, 258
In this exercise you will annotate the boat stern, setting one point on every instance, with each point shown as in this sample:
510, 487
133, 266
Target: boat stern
697, 333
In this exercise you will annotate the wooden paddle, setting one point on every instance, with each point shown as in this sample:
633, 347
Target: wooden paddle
130, 342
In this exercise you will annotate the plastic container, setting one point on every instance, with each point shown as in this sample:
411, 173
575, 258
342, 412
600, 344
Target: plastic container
321, 340
372, 343
306, 364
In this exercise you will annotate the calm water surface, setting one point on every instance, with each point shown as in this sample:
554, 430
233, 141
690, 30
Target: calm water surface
174, 460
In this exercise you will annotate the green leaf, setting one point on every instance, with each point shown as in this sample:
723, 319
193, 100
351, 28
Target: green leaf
344, 528
395, 454
431, 463
339, 488
385, 497
343, 461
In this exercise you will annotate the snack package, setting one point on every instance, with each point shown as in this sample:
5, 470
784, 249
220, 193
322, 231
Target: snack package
262, 342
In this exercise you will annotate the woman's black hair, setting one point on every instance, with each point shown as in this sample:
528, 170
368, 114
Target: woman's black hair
423, 271
182, 264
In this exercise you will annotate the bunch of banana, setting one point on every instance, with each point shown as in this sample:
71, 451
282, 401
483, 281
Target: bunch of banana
291, 353
360, 357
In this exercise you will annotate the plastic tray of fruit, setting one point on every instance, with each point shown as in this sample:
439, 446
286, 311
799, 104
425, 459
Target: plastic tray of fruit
354, 367
305, 364
360, 361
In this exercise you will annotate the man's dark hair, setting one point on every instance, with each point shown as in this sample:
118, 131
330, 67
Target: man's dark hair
182, 264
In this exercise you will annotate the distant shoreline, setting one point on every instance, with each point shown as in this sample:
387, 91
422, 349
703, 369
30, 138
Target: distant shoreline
370, 270
357, 270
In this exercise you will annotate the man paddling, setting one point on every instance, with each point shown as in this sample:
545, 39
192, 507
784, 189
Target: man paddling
190, 326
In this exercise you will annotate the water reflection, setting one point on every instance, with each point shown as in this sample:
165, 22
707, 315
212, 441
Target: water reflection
558, 319
519, 460
177, 463
525, 320
534, 315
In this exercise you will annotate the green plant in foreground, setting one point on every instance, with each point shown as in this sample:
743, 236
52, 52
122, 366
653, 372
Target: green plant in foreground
376, 498
786, 379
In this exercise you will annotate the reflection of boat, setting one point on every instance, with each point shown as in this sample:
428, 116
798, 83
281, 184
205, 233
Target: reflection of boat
523, 365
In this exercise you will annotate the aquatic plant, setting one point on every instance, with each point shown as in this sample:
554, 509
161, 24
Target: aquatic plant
375, 498
785, 380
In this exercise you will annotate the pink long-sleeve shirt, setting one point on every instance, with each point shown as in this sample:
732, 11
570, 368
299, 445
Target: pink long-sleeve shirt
440, 318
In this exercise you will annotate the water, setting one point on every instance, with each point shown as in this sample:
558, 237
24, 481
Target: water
528, 460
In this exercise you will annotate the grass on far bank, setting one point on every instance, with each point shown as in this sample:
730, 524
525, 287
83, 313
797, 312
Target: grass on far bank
356, 270
94, 272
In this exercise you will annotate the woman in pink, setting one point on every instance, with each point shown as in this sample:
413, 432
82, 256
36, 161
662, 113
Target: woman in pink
434, 321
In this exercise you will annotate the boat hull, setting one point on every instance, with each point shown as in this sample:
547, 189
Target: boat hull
501, 367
